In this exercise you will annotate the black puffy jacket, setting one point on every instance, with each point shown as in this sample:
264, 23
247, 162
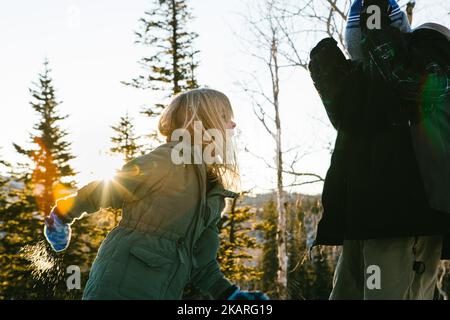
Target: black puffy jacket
373, 188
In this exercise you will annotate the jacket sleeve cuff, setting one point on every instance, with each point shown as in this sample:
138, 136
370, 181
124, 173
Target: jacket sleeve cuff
63, 218
64, 209
222, 289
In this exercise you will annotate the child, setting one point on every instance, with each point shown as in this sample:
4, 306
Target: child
168, 235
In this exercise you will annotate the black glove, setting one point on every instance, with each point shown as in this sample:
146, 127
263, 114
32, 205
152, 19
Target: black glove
327, 65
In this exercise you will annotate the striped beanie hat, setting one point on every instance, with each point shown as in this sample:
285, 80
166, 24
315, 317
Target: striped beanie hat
353, 31
355, 9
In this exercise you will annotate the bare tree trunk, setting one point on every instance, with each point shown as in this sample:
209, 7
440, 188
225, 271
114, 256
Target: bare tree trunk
269, 36
282, 225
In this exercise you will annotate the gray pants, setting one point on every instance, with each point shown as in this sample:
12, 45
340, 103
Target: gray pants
398, 269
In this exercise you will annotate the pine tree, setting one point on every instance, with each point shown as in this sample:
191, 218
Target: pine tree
29, 268
20, 225
269, 261
309, 278
323, 279
125, 140
297, 251
51, 154
3, 181
3, 187
235, 256
236, 247
171, 64
32, 269
322, 261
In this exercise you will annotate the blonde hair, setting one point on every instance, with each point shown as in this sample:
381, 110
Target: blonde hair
213, 109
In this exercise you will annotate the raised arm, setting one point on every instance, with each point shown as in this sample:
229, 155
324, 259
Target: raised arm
342, 87
329, 70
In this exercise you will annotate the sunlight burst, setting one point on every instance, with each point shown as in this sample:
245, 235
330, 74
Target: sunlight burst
106, 167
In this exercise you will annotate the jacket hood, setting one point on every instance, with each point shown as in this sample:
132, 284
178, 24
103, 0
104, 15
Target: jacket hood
436, 27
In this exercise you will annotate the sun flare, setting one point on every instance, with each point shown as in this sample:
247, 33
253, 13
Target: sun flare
106, 167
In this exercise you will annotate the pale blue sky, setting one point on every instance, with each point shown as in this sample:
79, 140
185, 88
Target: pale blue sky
90, 47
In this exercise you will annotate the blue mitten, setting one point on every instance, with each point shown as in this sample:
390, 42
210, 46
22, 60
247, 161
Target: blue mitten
57, 232
247, 295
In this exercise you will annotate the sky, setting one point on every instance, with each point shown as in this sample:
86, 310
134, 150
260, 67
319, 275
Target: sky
90, 47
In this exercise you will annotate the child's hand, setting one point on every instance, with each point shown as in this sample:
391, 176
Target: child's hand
57, 232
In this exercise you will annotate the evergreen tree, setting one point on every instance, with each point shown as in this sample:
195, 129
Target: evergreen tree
51, 154
171, 64
323, 275
125, 141
323, 261
309, 277
29, 267
297, 251
269, 260
20, 225
236, 251
237, 245
3, 190
3, 182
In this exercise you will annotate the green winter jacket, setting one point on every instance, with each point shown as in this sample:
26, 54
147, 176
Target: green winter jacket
168, 235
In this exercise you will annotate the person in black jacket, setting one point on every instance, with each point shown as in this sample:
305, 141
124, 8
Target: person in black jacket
374, 197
